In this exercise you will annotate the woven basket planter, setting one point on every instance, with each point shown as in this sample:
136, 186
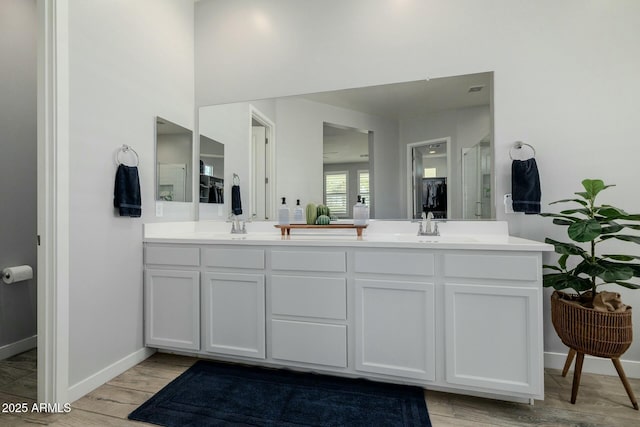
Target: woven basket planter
588, 331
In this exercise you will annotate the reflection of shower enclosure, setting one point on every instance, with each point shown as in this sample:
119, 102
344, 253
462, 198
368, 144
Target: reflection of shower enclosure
476, 181
434, 196
172, 182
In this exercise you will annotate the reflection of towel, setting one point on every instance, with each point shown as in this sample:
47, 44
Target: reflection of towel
236, 203
525, 186
126, 193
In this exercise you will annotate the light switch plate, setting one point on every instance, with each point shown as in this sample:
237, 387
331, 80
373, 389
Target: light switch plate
159, 209
508, 203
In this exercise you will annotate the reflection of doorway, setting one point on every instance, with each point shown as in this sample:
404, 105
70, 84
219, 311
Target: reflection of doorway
262, 166
428, 163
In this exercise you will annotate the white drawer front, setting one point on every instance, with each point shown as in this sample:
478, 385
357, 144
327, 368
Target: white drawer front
234, 258
171, 255
421, 264
323, 297
315, 343
492, 267
309, 261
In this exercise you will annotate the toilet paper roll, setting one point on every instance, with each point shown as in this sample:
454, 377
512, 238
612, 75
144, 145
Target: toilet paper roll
17, 274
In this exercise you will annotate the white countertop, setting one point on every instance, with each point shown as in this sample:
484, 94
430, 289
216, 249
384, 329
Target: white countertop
459, 235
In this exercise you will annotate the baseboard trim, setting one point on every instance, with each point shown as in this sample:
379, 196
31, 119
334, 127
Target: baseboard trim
18, 347
593, 365
89, 384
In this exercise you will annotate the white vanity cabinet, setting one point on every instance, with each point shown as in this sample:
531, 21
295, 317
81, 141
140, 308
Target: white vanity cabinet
172, 297
493, 322
233, 301
443, 316
308, 300
395, 313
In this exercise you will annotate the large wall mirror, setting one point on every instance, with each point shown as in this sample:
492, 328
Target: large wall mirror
174, 169
408, 148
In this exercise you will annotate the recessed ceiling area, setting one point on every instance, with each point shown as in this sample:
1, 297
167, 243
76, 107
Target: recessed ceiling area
344, 145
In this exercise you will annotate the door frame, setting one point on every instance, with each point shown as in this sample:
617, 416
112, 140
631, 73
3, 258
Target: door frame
53, 201
270, 152
409, 169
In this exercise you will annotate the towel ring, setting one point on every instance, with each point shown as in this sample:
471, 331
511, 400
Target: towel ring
236, 179
127, 149
519, 145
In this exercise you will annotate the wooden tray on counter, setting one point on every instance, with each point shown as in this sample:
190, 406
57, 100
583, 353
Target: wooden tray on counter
286, 229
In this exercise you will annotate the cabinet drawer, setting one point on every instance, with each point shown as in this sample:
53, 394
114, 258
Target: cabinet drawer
419, 264
309, 261
306, 342
504, 267
323, 297
172, 255
234, 258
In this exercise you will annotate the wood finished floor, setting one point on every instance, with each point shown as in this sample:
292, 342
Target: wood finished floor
602, 400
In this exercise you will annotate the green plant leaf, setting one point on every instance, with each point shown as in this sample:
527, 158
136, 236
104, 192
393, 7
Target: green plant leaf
631, 226
586, 212
588, 268
614, 271
582, 202
593, 187
611, 212
562, 261
552, 267
561, 281
565, 248
621, 257
625, 237
555, 215
562, 221
609, 227
582, 194
585, 230
628, 285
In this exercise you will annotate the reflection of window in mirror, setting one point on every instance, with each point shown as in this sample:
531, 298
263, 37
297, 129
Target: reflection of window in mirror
173, 160
336, 197
345, 154
211, 171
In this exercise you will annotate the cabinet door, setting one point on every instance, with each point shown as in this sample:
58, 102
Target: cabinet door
172, 309
395, 328
234, 317
493, 337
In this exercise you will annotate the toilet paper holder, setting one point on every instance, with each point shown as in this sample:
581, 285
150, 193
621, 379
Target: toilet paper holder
17, 273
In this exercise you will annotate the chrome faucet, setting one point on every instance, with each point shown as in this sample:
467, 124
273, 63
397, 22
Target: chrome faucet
425, 228
235, 225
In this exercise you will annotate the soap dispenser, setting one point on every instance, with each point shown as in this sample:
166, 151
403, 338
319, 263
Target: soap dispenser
283, 213
365, 208
298, 214
359, 213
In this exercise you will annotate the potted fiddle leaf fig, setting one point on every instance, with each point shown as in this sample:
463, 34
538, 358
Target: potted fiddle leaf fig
588, 321
592, 224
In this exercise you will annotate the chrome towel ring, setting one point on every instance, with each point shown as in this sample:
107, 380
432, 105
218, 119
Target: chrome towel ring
124, 150
519, 145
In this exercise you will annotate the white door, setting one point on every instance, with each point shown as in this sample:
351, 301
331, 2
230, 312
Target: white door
172, 309
172, 182
260, 172
395, 324
234, 314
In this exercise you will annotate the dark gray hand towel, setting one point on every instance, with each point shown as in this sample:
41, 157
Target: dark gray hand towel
525, 186
126, 194
236, 202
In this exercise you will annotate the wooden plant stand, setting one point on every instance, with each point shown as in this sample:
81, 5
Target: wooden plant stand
285, 230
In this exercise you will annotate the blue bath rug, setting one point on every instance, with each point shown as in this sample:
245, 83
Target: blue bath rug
220, 394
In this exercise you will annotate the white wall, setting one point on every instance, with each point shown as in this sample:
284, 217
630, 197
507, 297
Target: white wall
565, 77
129, 62
18, 135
